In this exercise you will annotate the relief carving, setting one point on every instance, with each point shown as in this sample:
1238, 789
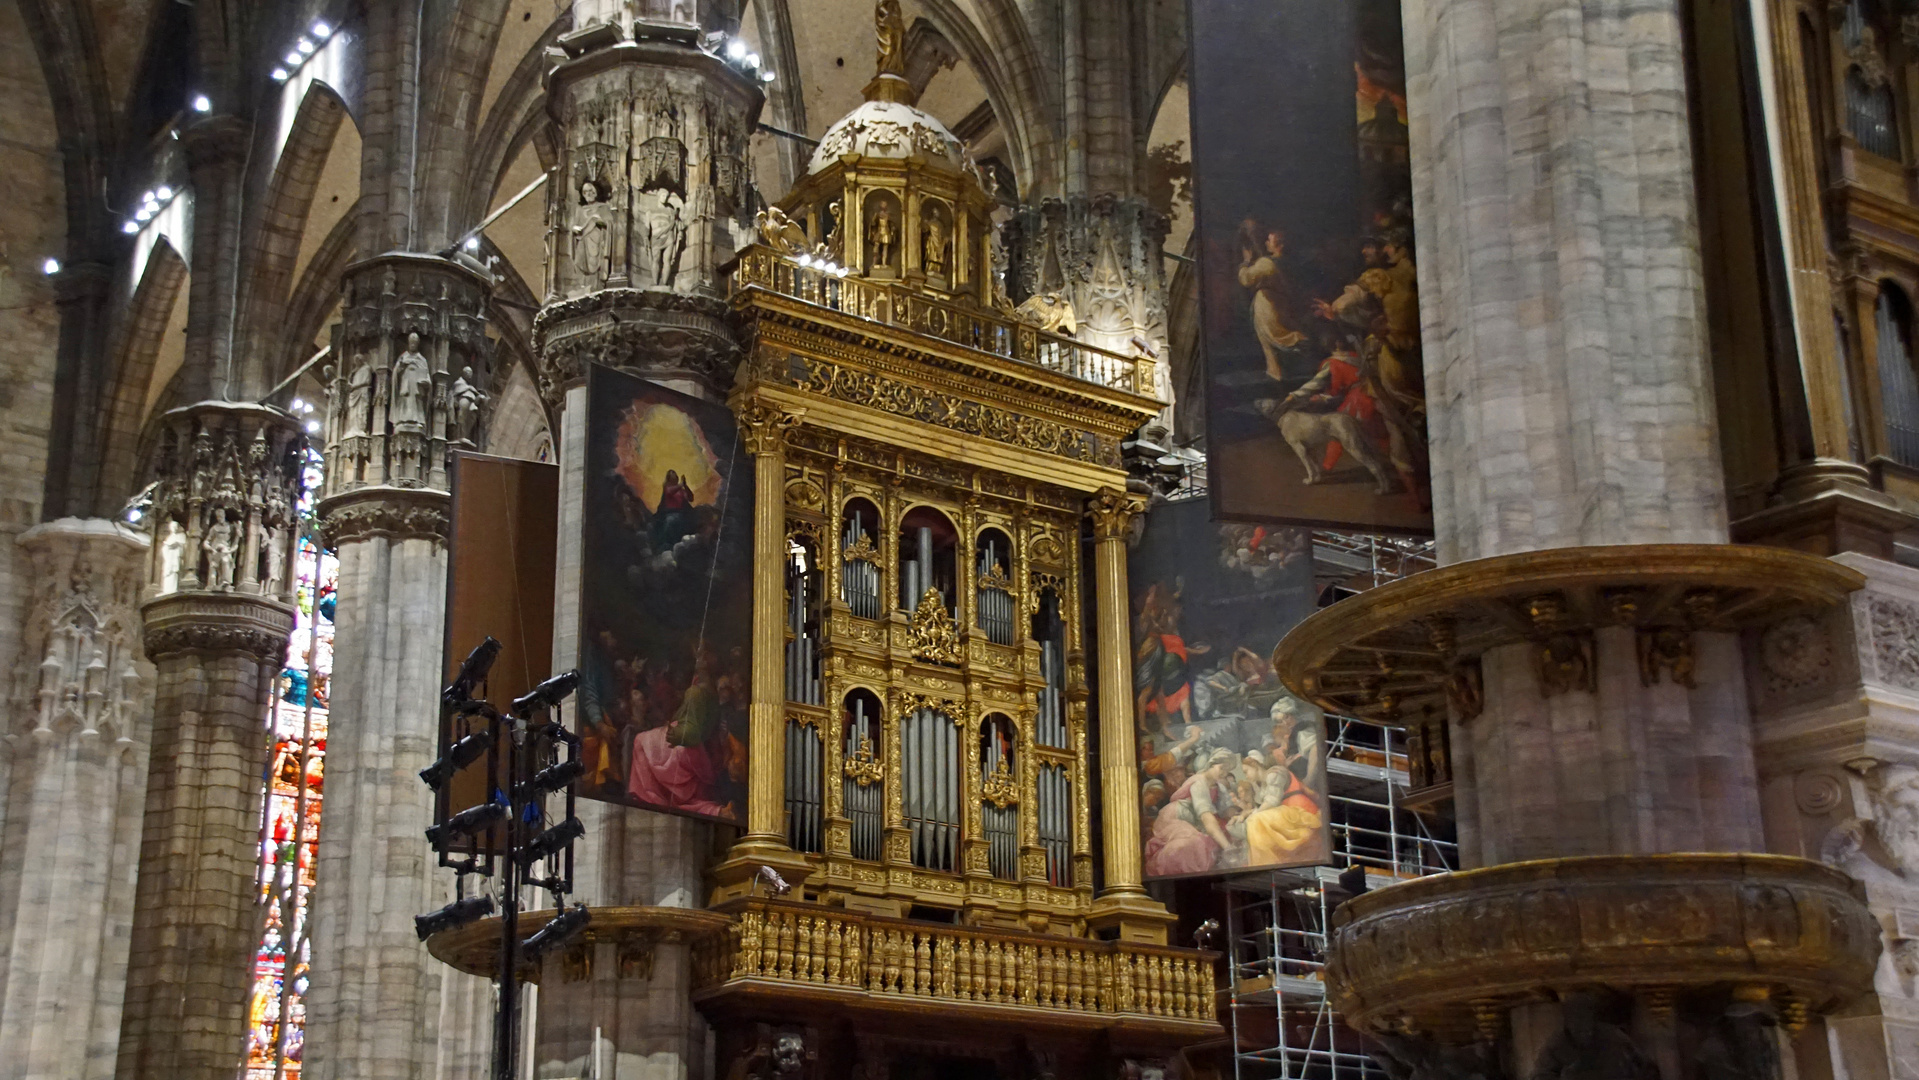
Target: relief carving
1894, 625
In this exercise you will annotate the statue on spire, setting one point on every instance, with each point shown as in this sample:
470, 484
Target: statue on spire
890, 27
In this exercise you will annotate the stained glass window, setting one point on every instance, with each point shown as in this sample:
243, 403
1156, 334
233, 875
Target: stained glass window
290, 814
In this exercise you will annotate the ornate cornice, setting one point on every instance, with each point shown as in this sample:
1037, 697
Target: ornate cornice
644, 331
386, 512
217, 622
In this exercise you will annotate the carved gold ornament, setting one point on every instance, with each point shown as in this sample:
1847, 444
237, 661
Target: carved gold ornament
863, 768
933, 634
1000, 789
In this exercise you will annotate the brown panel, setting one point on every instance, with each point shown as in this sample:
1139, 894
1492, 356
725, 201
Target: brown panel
500, 556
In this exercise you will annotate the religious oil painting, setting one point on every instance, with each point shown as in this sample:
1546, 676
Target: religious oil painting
666, 600
1232, 765
1309, 294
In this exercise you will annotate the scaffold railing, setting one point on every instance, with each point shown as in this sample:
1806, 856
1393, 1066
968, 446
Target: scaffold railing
1282, 1024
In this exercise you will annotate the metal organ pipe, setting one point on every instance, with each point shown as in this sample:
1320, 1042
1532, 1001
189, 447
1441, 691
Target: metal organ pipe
1054, 793
860, 579
863, 803
995, 605
802, 676
804, 805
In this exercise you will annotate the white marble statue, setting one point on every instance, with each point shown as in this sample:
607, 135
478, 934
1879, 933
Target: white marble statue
467, 400
412, 381
219, 546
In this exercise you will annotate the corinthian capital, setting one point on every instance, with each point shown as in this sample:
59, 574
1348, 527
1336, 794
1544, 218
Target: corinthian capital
765, 426
1112, 512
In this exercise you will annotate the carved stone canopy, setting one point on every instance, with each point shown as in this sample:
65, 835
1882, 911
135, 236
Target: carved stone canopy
1391, 651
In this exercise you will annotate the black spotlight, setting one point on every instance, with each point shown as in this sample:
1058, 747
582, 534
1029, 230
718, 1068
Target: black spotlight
457, 757
472, 672
458, 913
467, 822
551, 841
547, 694
558, 931
550, 779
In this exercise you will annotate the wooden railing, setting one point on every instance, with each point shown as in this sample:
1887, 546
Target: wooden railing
969, 325
795, 943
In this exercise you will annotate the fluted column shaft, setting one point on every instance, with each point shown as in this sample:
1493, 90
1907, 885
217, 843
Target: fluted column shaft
765, 431
76, 753
228, 480
409, 387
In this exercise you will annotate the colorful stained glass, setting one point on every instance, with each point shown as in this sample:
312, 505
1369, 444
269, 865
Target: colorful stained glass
290, 814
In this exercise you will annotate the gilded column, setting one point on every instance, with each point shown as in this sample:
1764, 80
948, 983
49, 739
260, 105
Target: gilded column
76, 753
764, 429
409, 388
1123, 902
224, 513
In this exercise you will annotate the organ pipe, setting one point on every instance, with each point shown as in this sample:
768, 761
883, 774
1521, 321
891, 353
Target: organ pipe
995, 602
861, 785
860, 577
802, 645
804, 802
931, 751
1054, 793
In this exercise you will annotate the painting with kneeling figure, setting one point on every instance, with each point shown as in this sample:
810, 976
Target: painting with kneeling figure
666, 600
1232, 765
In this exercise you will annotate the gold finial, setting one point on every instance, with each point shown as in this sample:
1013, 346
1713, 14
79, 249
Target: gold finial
889, 79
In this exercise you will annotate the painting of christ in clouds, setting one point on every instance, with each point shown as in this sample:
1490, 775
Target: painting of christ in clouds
665, 600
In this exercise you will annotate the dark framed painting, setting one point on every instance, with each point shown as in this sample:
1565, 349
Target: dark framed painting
666, 600
1232, 766
1309, 291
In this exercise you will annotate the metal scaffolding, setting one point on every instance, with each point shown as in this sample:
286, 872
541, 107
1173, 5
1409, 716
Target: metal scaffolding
1278, 921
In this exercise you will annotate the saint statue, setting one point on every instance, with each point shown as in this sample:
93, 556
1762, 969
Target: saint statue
173, 552
218, 546
934, 257
890, 27
359, 397
884, 236
592, 236
412, 381
467, 399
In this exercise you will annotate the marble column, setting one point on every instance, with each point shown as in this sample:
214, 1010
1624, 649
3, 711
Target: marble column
648, 200
1571, 404
224, 514
414, 357
76, 754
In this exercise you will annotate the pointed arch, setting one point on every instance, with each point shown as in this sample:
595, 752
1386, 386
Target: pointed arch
314, 297
1002, 53
279, 222
128, 387
517, 111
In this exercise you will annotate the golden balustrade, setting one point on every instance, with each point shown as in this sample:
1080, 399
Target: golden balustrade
898, 305
895, 959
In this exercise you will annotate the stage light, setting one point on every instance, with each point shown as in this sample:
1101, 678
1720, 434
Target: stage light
303, 47
202, 103
549, 693
766, 76
473, 243
50, 267
457, 757
313, 427
550, 779
753, 60
558, 930
299, 404
550, 842
472, 672
163, 193
279, 74
465, 823
735, 49
458, 913
322, 30
294, 59
129, 227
